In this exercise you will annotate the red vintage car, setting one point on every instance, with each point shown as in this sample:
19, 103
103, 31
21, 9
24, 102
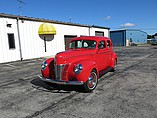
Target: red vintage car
86, 60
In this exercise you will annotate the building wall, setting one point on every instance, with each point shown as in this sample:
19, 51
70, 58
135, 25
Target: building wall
32, 46
6, 53
121, 37
136, 36
93, 31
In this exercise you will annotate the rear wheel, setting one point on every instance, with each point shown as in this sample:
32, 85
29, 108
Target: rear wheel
91, 83
114, 67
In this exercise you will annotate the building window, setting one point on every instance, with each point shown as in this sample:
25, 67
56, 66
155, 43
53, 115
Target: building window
99, 33
11, 41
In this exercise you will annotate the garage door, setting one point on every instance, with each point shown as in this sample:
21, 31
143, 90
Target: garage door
67, 39
99, 33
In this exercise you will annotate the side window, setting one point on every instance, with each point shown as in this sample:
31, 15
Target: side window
108, 43
79, 44
85, 44
101, 45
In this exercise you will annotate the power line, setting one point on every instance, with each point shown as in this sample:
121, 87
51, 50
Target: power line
20, 4
134, 28
148, 28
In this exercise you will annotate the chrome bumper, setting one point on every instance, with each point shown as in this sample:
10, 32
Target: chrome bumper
60, 81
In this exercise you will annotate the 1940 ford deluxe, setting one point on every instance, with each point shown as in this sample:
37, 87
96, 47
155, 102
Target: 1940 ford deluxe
86, 60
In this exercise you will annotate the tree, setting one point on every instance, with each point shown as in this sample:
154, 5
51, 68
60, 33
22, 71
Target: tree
150, 36
155, 34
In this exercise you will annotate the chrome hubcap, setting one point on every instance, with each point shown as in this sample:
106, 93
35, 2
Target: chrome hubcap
92, 80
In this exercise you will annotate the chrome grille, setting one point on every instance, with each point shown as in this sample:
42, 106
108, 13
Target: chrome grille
58, 71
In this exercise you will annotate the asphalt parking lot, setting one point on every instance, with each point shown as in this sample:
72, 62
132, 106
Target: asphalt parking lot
129, 92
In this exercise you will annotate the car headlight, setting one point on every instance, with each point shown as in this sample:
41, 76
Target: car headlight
44, 65
78, 68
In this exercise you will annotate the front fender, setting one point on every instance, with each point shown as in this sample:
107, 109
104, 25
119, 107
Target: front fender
88, 66
48, 72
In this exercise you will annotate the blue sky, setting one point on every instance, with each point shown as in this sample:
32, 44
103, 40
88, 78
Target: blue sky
115, 14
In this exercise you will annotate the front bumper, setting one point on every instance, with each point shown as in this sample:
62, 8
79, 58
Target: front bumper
60, 81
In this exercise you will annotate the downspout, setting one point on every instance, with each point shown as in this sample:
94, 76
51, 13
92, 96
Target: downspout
89, 30
109, 33
18, 32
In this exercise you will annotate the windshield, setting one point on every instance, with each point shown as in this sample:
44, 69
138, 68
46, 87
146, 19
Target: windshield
82, 44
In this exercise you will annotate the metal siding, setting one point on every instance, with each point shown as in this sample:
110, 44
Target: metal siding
6, 53
32, 45
137, 36
124, 38
117, 38
63, 30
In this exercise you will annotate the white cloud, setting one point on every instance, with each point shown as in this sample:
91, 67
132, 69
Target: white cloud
106, 18
128, 25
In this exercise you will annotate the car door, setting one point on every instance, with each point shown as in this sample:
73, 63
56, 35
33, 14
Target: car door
108, 52
101, 56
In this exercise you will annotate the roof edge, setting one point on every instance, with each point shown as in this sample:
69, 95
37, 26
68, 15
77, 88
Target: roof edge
128, 30
48, 21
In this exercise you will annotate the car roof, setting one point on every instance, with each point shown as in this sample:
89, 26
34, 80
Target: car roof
96, 38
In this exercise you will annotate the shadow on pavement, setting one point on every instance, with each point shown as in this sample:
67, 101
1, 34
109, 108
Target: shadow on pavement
49, 87
154, 47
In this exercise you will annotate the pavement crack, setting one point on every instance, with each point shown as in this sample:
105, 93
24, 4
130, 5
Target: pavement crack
52, 105
10, 82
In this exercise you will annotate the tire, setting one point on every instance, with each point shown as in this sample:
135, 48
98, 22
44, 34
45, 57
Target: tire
91, 83
114, 67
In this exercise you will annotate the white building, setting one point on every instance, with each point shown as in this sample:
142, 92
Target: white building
19, 38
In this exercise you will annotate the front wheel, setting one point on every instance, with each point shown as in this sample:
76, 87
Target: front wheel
91, 83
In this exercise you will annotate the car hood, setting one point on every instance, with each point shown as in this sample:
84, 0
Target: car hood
70, 55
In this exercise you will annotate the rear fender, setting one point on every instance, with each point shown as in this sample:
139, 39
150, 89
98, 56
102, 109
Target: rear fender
113, 59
